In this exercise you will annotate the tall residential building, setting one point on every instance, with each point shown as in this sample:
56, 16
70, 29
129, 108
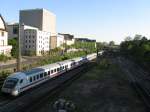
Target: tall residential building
34, 41
4, 47
42, 19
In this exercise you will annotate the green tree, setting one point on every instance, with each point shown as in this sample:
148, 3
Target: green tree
13, 42
111, 43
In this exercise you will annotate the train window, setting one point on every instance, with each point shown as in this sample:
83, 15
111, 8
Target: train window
45, 74
34, 78
21, 81
55, 70
41, 75
63, 67
30, 79
52, 71
37, 76
48, 72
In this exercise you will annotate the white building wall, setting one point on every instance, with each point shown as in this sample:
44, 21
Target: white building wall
4, 47
70, 42
43, 42
60, 40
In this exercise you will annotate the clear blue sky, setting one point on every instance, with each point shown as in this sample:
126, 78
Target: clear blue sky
104, 20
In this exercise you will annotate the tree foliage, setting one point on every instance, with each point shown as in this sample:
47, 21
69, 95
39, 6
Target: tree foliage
13, 42
139, 48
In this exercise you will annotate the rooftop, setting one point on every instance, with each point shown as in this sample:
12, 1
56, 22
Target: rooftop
2, 23
37, 9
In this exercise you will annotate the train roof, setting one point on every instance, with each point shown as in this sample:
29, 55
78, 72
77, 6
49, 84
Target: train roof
49, 66
54, 65
33, 71
18, 75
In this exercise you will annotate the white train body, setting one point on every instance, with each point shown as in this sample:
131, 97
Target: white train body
22, 81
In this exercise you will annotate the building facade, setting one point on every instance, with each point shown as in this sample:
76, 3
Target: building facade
13, 30
68, 39
4, 47
42, 19
60, 40
34, 41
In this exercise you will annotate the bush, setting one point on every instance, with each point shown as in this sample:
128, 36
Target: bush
4, 58
4, 74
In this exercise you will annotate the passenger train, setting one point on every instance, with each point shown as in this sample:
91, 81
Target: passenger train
21, 81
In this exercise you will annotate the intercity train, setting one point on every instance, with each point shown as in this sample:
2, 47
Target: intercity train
19, 82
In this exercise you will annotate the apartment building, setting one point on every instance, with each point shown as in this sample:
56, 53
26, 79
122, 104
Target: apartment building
34, 41
4, 47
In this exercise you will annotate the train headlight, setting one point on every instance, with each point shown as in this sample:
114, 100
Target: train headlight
15, 92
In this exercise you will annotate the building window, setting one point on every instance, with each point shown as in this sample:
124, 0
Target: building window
29, 36
29, 46
29, 41
33, 36
2, 33
33, 41
26, 46
15, 30
26, 41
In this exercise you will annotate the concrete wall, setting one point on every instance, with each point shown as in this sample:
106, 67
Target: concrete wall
32, 18
49, 22
40, 18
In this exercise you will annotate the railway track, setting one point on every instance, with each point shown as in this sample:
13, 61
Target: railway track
57, 90
139, 80
23, 103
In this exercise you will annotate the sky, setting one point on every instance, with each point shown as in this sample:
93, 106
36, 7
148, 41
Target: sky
103, 20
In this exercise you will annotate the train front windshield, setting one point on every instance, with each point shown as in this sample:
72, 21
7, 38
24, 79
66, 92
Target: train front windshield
10, 83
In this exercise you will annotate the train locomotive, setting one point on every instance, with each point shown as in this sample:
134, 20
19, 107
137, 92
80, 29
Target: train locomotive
19, 82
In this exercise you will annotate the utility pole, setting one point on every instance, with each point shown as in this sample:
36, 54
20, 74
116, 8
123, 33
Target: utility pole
96, 46
19, 50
